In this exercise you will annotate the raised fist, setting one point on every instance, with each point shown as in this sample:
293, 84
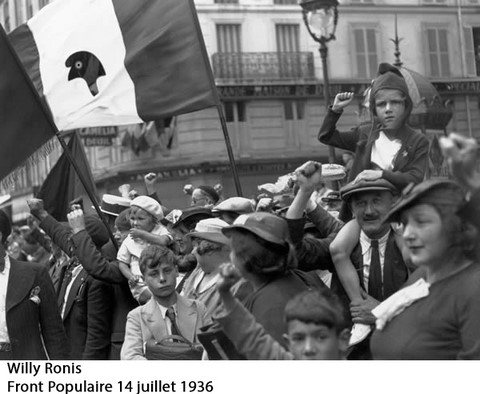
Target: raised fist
342, 100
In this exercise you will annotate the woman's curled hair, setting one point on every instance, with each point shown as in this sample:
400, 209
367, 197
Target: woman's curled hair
461, 233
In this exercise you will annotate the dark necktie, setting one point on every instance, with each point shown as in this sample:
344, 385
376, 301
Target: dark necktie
67, 278
171, 316
375, 285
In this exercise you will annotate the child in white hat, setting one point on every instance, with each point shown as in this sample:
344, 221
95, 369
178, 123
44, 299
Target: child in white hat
145, 216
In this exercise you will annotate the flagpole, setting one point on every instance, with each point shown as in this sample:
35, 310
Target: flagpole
216, 97
44, 106
231, 158
85, 184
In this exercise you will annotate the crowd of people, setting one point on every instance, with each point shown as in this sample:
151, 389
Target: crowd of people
384, 268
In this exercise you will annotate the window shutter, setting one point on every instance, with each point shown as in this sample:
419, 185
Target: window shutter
437, 48
360, 52
365, 52
444, 59
469, 51
372, 53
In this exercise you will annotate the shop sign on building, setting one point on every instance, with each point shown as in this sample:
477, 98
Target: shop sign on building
98, 136
248, 92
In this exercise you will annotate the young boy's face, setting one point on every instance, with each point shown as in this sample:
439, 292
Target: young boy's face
311, 341
390, 108
162, 279
141, 219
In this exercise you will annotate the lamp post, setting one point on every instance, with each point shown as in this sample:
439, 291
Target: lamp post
321, 17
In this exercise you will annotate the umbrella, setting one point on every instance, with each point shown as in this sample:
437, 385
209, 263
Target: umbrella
428, 111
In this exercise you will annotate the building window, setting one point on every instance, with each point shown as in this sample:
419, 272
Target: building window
365, 52
288, 48
228, 60
6, 17
294, 109
437, 51
234, 111
228, 38
287, 38
472, 50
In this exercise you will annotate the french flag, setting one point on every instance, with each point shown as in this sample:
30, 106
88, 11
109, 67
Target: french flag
115, 62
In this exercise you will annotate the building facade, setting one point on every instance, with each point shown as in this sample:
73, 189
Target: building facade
269, 76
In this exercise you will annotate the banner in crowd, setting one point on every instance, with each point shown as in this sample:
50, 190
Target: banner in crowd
26, 128
115, 62
62, 184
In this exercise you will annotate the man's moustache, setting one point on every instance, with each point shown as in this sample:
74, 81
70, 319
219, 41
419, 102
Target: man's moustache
371, 217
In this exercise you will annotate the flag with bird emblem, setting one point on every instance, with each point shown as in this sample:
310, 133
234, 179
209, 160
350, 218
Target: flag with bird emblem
116, 62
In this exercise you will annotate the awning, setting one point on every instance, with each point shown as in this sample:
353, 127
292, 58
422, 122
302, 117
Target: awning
4, 199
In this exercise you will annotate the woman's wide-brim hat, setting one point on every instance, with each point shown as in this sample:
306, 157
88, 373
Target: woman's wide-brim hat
270, 227
432, 191
192, 215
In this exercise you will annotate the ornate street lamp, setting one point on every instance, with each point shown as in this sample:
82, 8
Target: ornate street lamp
321, 17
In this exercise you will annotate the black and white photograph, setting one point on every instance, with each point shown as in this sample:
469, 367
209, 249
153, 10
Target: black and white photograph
197, 184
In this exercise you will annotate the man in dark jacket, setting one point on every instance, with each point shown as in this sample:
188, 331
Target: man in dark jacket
105, 270
31, 328
370, 201
85, 303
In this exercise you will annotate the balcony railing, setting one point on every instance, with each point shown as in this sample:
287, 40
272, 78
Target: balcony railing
263, 66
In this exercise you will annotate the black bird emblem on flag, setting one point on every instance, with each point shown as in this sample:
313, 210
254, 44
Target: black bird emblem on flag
85, 65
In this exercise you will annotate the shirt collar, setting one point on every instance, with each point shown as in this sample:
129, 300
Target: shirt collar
383, 135
7, 265
76, 270
163, 310
209, 280
365, 241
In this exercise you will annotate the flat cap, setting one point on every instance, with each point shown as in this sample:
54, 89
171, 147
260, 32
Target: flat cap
235, 204
366, 185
